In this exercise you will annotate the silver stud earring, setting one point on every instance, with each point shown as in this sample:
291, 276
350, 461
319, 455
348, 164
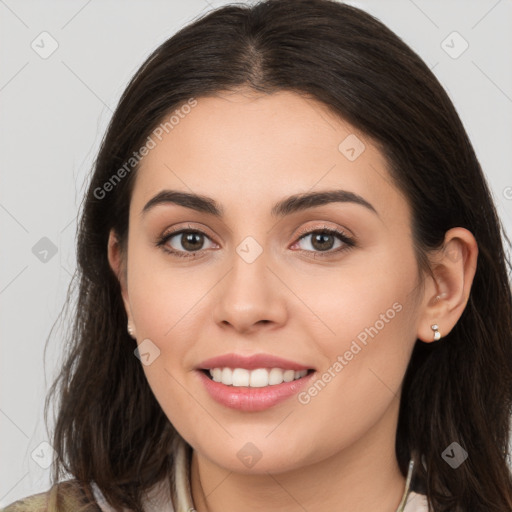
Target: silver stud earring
130, 330
437, 334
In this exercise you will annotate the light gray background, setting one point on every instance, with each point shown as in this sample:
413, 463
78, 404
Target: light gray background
54, 112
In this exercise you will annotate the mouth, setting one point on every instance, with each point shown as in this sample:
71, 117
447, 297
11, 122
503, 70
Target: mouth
254, 382
253, 390
255, 378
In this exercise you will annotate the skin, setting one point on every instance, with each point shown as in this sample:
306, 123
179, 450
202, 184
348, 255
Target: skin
248, 151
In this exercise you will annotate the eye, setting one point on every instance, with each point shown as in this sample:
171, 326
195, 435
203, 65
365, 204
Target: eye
182, 242
324, 240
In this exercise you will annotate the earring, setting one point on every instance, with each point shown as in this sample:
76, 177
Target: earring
130, 330
437, 334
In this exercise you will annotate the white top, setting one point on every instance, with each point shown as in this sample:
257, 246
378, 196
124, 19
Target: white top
159, 499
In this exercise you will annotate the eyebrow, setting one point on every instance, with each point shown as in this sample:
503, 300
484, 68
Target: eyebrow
287, 206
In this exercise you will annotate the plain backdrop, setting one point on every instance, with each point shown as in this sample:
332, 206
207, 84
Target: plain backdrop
54, 111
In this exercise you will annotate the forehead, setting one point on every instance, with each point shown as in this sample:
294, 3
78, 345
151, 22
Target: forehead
261, 148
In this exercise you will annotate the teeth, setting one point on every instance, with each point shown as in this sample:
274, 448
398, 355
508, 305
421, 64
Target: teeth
258, 378
226, 376
240, 377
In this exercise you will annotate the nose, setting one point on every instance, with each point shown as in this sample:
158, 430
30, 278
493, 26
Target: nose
250, 297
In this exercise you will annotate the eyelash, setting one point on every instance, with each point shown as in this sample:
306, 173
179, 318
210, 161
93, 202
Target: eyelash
348, 242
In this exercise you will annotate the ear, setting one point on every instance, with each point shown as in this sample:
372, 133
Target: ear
117, 263
447, 291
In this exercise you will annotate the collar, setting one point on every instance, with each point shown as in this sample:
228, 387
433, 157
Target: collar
182, 494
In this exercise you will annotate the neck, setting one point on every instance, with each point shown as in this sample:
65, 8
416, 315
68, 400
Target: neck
365, 476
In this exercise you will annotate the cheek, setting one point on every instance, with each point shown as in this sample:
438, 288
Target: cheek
169, 305
163, 310
360, 381
163, 296
370, 293
370, 311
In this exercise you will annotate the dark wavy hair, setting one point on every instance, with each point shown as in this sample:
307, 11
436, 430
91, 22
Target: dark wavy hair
110, 429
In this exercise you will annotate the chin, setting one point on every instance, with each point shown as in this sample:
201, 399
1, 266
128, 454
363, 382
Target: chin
256, 458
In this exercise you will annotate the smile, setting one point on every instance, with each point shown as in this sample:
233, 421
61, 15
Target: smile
257, 378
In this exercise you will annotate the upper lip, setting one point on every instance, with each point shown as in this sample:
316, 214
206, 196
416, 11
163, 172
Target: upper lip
250, 362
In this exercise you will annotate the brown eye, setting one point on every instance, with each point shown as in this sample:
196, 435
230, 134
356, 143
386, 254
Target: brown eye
180, 243
324, 240
191, 241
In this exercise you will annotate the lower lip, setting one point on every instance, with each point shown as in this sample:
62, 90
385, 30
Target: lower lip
252, 399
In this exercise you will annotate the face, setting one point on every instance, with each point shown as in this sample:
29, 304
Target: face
328, 286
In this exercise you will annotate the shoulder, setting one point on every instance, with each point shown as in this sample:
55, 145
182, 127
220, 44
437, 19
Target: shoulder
63, 496
33, 503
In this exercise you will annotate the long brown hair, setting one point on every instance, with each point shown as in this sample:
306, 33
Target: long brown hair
110, 428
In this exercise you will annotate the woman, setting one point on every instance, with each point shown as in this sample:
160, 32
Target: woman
293, 287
